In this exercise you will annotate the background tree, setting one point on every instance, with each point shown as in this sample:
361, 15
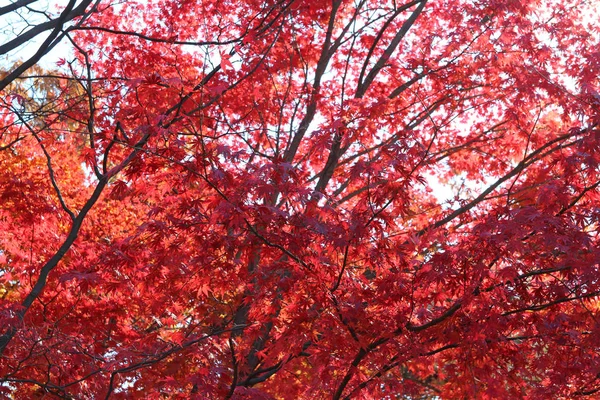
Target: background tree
236, 200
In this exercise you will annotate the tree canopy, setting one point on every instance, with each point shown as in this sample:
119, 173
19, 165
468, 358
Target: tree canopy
300, 199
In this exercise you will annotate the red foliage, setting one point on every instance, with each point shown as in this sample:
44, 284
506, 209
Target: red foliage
237, 199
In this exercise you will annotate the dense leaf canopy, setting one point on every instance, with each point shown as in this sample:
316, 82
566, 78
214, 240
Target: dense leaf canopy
300, 199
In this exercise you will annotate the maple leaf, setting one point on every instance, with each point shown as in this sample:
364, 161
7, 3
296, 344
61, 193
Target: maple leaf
226, 64
120, 189
217, 89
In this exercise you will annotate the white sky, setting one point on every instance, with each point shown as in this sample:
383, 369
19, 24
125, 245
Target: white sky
13, 24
